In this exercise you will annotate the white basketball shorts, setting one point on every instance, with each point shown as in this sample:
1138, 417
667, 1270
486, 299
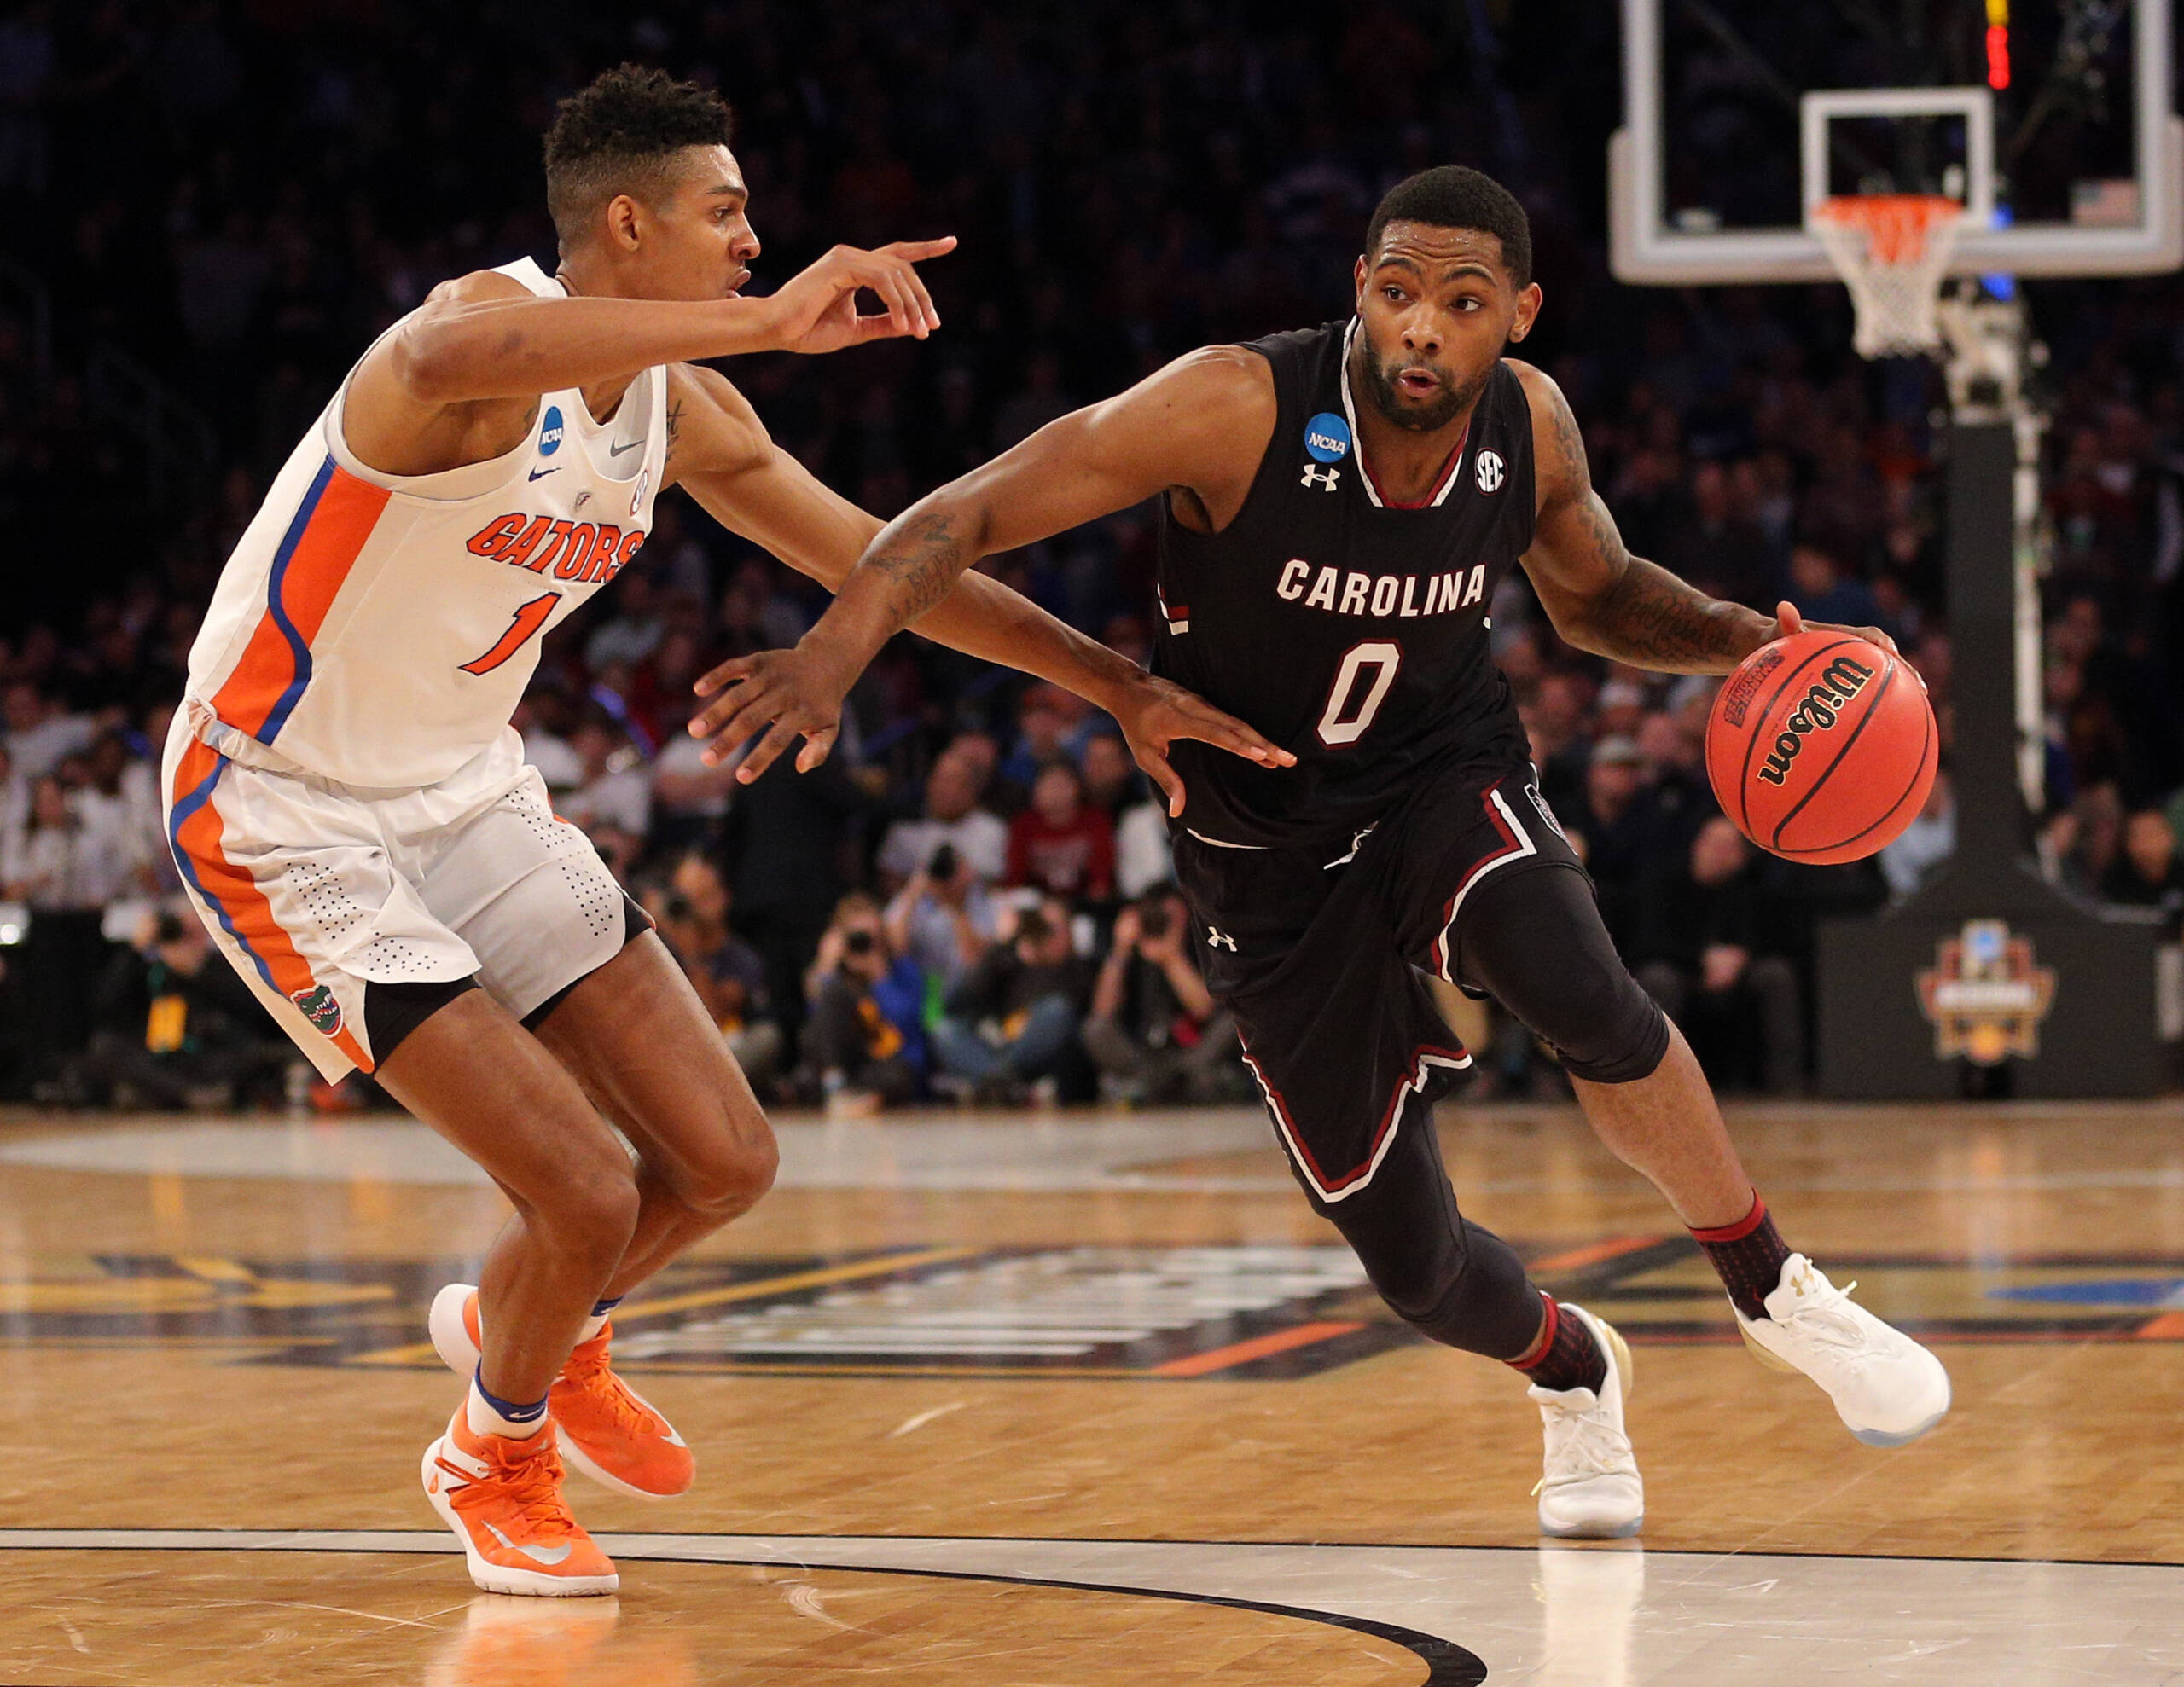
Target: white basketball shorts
311, 888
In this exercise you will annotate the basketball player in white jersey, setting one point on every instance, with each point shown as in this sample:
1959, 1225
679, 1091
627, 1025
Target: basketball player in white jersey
354, 821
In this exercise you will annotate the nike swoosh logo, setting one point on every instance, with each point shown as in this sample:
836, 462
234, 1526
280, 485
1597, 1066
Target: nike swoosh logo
617, 450
540, 473
548, 1556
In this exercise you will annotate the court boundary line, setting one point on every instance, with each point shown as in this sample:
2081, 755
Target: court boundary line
8, 1545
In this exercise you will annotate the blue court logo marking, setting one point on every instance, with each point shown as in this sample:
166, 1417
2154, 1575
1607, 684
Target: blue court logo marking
1327, 438
2166, 1293
549, 431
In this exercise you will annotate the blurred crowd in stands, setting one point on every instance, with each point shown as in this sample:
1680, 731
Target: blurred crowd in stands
220, 204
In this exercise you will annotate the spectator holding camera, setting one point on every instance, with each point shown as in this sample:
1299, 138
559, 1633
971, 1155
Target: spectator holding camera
1013, 1021
943, 918
1154, 1031
862, 1051
952, 817
176, 1027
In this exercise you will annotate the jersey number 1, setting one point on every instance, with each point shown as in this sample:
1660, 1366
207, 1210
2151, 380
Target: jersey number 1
527, 621
1339, 724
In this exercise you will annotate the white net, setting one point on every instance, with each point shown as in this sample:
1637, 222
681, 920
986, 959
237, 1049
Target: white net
1891, 250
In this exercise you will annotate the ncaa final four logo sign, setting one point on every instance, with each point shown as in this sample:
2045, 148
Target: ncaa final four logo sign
1985, 995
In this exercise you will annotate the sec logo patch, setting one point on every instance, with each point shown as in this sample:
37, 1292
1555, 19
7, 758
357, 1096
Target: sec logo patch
1489, 470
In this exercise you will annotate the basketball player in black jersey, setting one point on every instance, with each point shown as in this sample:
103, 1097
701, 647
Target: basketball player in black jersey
1339, 505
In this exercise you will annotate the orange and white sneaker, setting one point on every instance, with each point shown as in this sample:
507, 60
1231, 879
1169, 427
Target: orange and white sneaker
608, 1430
503, 1498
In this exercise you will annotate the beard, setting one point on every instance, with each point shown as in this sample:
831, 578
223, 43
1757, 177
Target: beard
1425, 416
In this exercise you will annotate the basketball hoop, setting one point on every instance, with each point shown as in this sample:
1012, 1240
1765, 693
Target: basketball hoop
1890, 250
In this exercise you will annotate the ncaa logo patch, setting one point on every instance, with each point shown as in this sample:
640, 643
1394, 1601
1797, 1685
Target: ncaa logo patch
549, 431
319, 1007
1490, 471
1326, 438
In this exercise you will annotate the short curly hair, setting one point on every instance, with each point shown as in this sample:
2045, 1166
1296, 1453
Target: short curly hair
1453, 196
620, 136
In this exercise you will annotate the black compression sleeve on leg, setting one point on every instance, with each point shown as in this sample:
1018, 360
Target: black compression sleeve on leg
392, 1011
1441, 1273
1492, 1307
1533, 939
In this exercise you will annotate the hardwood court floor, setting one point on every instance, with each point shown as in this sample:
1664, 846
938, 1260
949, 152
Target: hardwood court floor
964, 1389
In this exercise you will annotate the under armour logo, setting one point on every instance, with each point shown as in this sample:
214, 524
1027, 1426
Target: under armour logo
1489, 470
1324, 478
1216, 938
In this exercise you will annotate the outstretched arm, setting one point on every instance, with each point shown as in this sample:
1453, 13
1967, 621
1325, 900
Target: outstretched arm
722, 455
475, 342
1195, 430
1602, 599
458, 381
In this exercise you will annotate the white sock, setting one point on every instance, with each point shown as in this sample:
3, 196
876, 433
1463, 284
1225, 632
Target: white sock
488, 1415
600, 1311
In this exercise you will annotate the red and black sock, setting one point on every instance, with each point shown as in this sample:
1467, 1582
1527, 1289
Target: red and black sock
1566, 1355
1749, 1255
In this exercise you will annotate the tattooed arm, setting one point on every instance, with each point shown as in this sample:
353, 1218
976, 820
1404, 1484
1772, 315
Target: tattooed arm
720, 453
1599, 597
1195, 431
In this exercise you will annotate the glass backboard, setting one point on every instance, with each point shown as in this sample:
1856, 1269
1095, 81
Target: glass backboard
2053, 120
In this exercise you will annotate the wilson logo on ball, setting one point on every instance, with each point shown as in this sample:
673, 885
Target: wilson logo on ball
1841, 681
1822, 747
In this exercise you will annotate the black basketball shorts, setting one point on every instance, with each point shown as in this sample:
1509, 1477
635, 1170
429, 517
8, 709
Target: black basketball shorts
1321, 957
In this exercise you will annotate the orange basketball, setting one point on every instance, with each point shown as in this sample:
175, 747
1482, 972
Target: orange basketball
1822, 747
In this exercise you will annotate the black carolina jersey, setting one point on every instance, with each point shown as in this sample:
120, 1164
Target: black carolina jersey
1348, 629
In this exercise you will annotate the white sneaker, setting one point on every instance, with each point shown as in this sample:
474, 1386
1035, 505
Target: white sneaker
1591, 1489
1887, 1388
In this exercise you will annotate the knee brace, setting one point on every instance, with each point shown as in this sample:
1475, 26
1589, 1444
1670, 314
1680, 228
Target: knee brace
1534, 941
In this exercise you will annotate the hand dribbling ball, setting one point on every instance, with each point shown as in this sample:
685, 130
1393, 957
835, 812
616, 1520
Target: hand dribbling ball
1822, 747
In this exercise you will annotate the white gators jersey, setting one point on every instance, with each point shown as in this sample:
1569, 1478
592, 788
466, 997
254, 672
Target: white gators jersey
379, 630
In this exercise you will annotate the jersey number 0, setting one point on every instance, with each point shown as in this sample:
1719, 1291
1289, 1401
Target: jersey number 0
1341, 724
